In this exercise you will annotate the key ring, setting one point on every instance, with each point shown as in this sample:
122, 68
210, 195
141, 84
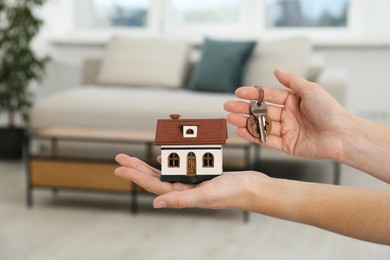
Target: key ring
261, 91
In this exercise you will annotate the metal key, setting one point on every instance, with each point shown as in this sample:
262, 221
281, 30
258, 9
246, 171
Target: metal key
252, 125
259, 110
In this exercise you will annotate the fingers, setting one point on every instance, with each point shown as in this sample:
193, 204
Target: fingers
133, 162
293, 81
273, 95
273, 141
144, 175
278, 96
242, 107
147, 181
241, 121
139, 172
199, 197
179, 199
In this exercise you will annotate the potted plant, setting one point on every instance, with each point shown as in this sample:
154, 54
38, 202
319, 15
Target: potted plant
19, 66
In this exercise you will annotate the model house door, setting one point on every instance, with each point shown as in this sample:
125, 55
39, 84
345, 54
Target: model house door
191, 164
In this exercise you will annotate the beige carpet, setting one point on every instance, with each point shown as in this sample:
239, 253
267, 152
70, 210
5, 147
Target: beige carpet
99, 226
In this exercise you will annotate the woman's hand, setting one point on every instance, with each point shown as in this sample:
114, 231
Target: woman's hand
230, 190
311, 124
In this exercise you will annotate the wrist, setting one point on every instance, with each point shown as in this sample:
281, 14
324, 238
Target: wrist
351, 139
254, 191
279, 198
345, 135
367, 147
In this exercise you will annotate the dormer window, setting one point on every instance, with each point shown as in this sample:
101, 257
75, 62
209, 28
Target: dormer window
190, 131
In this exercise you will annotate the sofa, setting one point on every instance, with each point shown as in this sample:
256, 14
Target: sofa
138, 81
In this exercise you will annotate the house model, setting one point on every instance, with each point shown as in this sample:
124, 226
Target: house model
191, 149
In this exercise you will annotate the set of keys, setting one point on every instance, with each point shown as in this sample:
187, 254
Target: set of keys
259, 125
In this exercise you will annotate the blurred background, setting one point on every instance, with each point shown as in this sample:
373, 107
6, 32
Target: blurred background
351, 37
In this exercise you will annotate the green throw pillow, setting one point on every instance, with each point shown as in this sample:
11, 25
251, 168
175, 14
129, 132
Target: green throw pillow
221, 66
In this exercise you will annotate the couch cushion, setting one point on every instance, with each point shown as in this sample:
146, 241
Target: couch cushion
144, 62
122, 107
221, 66
290, 54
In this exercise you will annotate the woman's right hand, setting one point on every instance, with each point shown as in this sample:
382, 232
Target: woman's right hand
311, 124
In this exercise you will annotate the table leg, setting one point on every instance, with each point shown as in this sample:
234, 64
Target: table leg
248, 161
54, 191
337, 170
149, 152
246, 216
257, 152
54, 146
134, 202
26, 155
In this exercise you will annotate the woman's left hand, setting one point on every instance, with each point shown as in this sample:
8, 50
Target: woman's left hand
230, 190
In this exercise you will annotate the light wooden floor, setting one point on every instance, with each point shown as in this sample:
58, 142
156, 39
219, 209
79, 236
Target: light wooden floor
99, 226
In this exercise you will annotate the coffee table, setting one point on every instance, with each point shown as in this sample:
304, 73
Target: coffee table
52, 170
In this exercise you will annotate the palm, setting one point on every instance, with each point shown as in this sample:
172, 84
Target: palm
222, 191
305, 129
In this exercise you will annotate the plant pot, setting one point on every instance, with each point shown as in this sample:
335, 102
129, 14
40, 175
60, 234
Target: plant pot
11, 143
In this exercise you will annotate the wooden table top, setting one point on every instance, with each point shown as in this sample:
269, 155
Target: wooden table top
109, 134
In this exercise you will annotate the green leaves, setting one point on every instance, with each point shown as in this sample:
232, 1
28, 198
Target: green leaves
19, 65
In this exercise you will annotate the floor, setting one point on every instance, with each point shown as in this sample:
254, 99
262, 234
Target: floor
80, 225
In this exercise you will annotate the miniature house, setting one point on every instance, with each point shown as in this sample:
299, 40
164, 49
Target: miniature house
191, 149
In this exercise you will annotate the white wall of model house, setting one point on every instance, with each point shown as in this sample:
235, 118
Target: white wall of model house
183, 150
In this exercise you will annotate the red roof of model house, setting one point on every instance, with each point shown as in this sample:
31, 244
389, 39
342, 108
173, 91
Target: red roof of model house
209, 131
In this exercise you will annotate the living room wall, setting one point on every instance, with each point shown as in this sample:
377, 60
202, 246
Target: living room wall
366, 58
364, 52
368, 68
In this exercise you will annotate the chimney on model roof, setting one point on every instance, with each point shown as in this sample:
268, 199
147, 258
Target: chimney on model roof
174, 116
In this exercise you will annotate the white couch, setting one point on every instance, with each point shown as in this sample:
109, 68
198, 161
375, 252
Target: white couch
126, 90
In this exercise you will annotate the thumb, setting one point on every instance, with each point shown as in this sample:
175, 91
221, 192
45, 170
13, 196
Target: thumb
292, 81
179, 199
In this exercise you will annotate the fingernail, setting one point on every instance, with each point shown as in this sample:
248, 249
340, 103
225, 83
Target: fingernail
116, 172
160, 204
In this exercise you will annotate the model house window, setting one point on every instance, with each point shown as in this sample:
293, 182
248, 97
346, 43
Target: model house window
184, 12
307, 13
208, 160
190, 131
112, 13
173, 160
